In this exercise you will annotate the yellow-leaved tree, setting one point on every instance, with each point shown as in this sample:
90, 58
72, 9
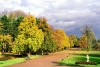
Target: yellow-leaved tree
61, 39
30, 37
5, 43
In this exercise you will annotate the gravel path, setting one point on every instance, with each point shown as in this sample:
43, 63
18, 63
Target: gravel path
44, 61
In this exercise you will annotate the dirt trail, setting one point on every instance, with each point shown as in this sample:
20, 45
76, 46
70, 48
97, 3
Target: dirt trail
45, 61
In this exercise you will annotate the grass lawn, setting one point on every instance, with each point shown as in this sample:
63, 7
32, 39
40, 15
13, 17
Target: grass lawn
81, 56
15, 61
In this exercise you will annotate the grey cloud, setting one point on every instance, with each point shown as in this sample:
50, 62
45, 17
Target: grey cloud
69, 15
86, 12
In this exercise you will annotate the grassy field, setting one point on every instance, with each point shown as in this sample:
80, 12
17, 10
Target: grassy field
15, 61
81, 56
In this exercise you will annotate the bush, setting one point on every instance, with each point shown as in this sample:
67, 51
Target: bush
97, 46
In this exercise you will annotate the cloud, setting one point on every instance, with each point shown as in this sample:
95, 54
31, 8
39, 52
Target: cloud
63, 24
69, 15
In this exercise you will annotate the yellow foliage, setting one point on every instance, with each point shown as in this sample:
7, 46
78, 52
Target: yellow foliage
61, 39
6, 38
83, 42
29, 35
28, 25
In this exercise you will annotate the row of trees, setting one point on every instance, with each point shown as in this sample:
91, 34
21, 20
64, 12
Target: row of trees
24, 33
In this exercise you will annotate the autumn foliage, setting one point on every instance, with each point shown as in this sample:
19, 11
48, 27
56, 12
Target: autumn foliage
25, 33
61, 39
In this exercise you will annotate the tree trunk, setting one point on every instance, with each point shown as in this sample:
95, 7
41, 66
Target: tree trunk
29, 55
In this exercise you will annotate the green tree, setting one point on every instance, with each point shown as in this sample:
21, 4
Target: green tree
73, 40
42, 24
10, 26
88, 32
49, 43
97, 45
5, 22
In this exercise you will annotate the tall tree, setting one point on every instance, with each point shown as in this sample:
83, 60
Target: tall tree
29, 35
49, 43
10, 26
88, 32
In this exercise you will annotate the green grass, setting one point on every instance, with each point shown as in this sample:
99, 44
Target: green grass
15, 61
82, 52
81, 56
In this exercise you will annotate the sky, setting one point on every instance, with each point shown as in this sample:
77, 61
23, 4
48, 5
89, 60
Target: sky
69, 15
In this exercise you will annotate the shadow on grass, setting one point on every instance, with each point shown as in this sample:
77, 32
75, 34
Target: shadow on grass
10, 56
80, 57
64, 64
93, 58
1, 63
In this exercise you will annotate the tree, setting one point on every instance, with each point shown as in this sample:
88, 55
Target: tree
5, 22
97, 45
83, 42
61, 39
5, 43
10, 26
29, 37
73, 40
49, 43
90, 37
16, 14
42, 24
13, 14
19, 44
88, 32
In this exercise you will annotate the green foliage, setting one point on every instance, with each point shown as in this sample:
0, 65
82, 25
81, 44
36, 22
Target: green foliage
5, 22
18, 45
13, 27
42, 24
73, 40
9, 25
97, 45
88, 32
48, 44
